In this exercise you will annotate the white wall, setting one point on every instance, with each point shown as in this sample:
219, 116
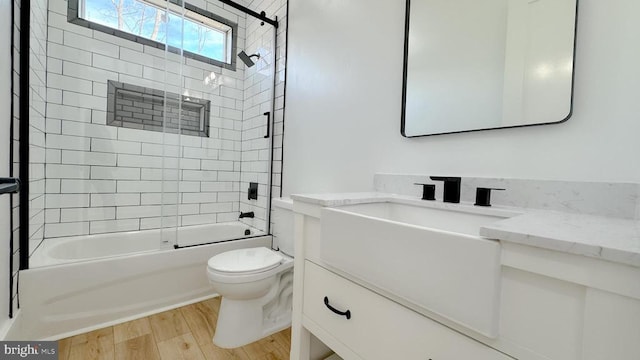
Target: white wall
5, 121
342, 117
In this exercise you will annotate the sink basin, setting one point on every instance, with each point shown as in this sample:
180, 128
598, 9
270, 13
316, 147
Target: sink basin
429, 259
435, 218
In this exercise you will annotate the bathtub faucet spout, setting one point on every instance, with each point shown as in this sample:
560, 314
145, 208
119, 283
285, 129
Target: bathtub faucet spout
246, 214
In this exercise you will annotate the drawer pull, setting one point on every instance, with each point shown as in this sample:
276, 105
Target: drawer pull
346, 314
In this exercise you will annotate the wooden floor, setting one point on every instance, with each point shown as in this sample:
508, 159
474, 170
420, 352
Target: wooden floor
183, 333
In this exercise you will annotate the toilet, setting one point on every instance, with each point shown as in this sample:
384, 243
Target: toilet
256, 285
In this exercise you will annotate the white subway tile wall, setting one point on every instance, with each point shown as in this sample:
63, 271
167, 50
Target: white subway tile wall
88, 178
37, 128
37, 108
106, 179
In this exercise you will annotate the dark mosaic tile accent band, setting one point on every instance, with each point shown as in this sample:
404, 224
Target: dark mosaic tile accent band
137, 107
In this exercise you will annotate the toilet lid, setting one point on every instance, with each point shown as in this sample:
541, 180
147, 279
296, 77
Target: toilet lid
245, 260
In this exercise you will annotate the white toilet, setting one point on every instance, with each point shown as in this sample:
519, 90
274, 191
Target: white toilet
256, 286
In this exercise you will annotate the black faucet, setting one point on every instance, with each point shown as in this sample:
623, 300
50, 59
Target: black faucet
246, 214
451, 188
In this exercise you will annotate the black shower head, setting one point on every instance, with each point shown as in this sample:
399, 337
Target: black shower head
246, 59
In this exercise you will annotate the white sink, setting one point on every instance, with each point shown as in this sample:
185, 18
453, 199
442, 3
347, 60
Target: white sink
436, 218
430, 259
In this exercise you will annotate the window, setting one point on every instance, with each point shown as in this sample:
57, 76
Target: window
202, 35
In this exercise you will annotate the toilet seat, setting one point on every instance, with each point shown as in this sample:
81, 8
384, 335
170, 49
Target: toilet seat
245, 261
246, 265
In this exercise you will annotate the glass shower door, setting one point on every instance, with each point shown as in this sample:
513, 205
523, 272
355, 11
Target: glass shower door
157, 132
257, 125
217, 136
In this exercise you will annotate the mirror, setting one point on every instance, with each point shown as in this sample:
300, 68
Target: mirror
487, 64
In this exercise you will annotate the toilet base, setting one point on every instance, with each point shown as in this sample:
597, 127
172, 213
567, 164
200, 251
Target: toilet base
241, 322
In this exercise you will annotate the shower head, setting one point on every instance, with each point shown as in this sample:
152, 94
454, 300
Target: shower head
246, 59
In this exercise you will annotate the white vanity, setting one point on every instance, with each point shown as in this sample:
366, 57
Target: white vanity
382, 276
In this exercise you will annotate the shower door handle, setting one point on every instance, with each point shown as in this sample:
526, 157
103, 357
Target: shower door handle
268, 113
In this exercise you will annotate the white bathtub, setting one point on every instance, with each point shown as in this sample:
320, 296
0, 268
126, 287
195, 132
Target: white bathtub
100, 280
65, 250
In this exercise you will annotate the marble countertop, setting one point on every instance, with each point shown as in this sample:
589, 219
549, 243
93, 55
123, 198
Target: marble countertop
341, 199
607, 238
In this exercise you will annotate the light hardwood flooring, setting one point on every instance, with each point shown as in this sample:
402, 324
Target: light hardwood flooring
183, 333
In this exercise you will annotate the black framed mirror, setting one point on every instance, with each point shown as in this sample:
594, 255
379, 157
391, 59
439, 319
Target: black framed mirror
475, 65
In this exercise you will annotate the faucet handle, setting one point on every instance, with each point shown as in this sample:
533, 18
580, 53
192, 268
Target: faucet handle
428, 191
483, 196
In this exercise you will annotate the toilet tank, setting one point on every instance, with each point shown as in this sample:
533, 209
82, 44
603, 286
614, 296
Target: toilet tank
283, 225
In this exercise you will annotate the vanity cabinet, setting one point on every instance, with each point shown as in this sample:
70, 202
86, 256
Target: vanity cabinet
552, 306
378, 328
565, 306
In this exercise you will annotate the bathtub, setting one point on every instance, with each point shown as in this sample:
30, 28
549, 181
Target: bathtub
66, 250
89, 282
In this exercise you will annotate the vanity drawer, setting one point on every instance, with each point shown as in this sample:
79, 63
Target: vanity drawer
378, 328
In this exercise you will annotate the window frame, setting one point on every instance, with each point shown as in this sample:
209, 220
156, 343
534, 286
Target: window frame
73, 16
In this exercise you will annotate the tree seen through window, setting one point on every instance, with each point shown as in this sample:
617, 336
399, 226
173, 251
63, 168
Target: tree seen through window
151, 22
